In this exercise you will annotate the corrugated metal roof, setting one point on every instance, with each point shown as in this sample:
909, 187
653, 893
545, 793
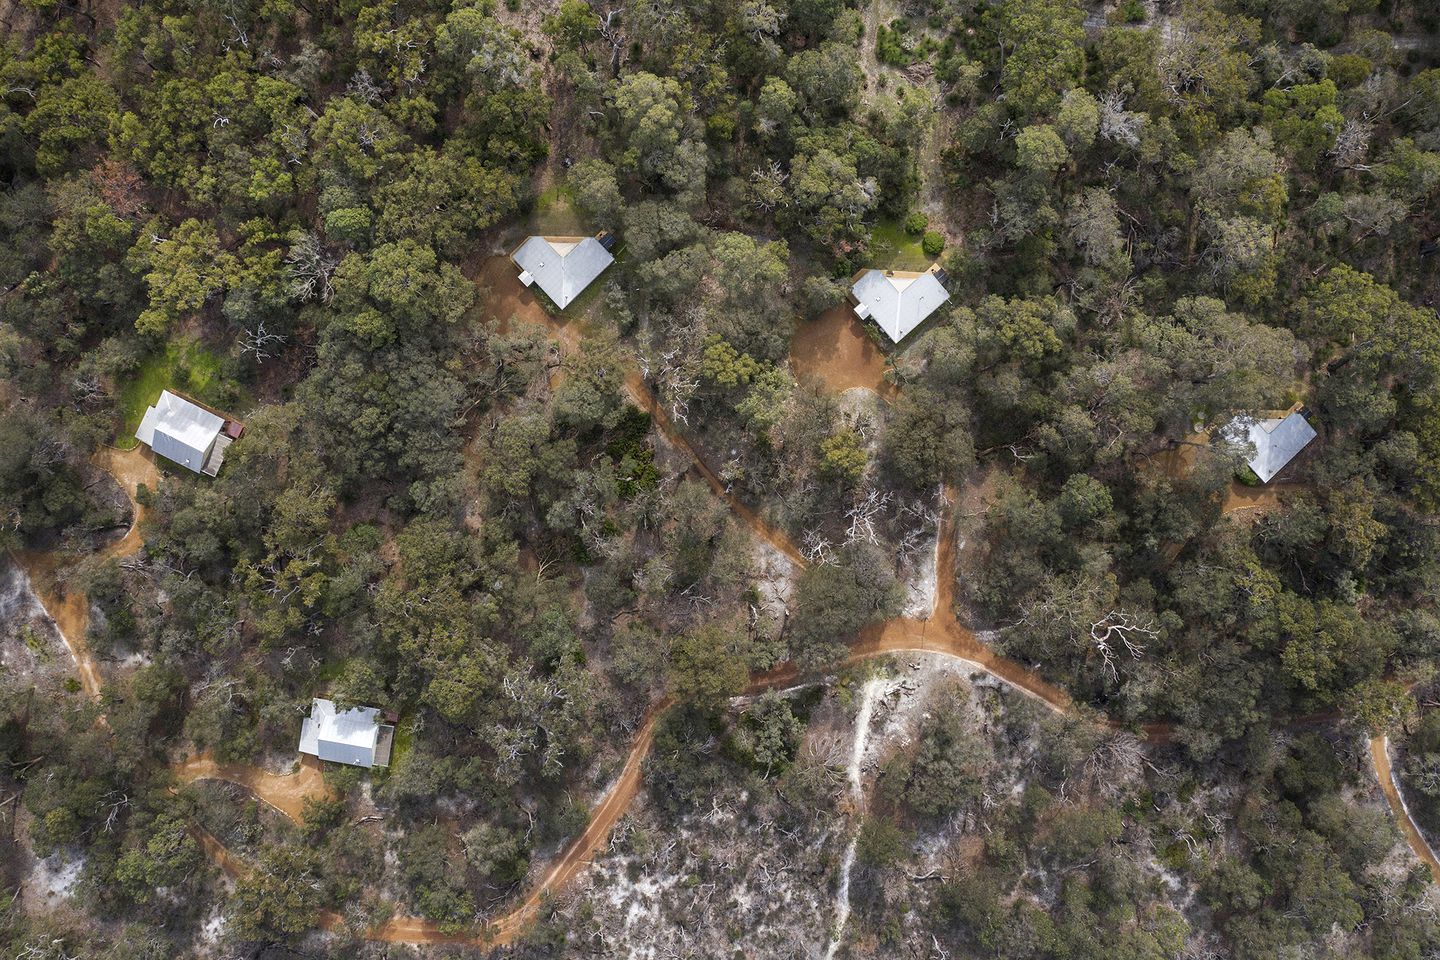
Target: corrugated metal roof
563, 268
1276, 441
346, 736
179, 430
898, 302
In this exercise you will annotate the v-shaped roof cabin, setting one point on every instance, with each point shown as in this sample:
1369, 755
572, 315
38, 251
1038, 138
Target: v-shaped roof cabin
897, 300
1276, 441
561, 266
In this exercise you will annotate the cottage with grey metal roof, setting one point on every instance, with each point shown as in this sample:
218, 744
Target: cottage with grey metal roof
897, 300
1276, 441
183, 431
355, 736
563, 266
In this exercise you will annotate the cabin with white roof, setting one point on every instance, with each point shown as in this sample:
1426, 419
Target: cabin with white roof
1275, 440
897, 300
563, 266
191, 435
355, 736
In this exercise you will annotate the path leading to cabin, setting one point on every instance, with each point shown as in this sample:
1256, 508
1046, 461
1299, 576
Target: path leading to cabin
70, 610
1390, 786
507, 297
285, 792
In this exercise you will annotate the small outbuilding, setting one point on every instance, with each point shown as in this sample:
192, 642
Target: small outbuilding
355, 736
897, 300
1276, 440
563, 266
179, 429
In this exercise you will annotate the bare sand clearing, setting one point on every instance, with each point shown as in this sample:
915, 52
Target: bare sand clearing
836, 350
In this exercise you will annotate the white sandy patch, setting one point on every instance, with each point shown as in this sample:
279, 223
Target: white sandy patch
775, 577
54, 878
921, 585
21, 610
873, 690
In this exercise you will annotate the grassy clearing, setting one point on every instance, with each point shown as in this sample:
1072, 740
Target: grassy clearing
185, 365
555, 215
893, 249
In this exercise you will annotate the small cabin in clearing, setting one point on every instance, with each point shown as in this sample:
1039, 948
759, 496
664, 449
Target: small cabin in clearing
563, 266
355, 736
897, 300
179, 429
1276, 440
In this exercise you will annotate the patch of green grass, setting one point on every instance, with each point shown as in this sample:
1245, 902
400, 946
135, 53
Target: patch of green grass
330, 670
554, 215
185, 365
893, 248
404, 739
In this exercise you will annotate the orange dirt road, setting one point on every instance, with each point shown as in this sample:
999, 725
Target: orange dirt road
582, 850
71, 611
218, 854
776, 538
836, 350
1380, 757
285, 792
942, 634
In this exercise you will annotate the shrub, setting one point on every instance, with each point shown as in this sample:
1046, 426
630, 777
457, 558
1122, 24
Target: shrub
916, 223
932, 243
891, 47
348, 224
1349, 69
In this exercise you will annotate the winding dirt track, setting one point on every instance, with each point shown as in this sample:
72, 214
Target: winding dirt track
69, 610
1380, 758
286, 792
506, 297
940, 634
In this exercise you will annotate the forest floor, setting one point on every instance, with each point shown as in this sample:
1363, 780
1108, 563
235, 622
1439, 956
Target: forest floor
941, 633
